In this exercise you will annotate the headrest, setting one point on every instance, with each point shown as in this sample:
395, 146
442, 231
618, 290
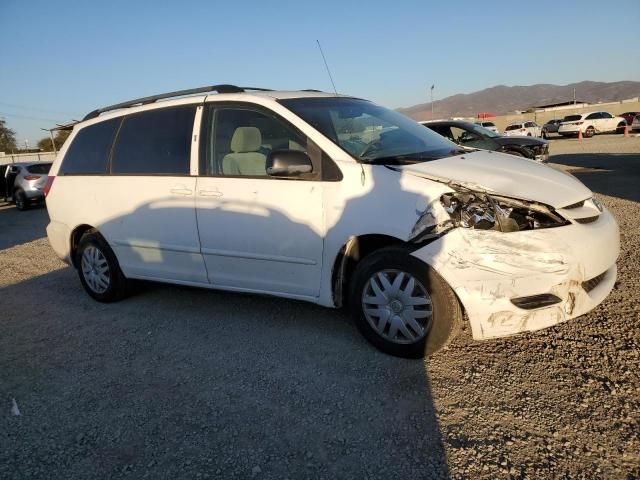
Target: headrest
246, 139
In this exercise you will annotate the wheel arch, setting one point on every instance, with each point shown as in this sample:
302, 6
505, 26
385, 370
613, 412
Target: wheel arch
75, 237
350, 254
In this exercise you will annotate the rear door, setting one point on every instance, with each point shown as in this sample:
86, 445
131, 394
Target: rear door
153, 229
593, 120
609, 123
258, 233
3, 182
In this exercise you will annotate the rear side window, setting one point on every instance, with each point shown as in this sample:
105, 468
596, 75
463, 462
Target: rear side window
39, 168
89, 151
157, 142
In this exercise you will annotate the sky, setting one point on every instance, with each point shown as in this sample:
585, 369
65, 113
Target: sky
60, 60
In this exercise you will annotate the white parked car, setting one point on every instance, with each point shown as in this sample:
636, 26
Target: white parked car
332, 200
591, 123
523, 129
489, 126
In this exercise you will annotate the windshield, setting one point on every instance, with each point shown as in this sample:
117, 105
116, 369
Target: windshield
371, 133
484, 131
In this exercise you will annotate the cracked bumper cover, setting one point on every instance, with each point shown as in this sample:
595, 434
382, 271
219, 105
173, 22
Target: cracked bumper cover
487, 269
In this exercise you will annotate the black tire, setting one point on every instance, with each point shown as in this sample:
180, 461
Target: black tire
117, 284
544, 134
589, 132
446, 319
515, 153
20, 199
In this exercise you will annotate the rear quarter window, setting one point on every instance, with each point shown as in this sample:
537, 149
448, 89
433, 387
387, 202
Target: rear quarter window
89, 150
157, 142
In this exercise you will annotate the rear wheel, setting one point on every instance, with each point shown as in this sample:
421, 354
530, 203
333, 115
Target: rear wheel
402, 306
589, 132
21, 200
620, 128
98, 269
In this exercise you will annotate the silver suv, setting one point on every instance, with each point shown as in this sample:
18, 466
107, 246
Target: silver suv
23, 183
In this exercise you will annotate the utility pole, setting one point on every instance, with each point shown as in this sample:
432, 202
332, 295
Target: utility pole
574, 95
432, 87
53, 143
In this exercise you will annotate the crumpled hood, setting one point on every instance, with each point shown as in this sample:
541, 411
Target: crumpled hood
506, 175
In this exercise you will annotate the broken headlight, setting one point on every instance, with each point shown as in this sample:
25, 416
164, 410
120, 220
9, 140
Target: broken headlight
481, 211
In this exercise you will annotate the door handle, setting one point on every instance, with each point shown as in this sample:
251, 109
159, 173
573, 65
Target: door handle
180, 190
210, 193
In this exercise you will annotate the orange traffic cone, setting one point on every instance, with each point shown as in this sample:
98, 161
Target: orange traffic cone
626, 131
579, 134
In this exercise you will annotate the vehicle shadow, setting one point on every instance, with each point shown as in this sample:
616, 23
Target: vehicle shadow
18, 227
616, 175
177, 381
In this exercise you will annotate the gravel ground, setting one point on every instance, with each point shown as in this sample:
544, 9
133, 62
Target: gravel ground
187, 383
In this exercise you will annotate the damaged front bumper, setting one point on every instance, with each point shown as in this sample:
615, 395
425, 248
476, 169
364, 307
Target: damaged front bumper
489, 269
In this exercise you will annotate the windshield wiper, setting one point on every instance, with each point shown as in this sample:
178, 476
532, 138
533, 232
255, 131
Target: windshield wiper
411, 158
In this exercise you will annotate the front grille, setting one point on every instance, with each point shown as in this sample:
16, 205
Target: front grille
587, 219
593, 283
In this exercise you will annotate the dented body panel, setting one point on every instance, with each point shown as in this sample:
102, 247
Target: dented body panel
487, 269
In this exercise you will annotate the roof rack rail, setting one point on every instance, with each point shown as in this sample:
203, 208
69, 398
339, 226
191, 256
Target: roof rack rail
178, 93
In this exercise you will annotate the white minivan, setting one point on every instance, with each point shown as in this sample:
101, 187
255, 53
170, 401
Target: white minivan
329, 199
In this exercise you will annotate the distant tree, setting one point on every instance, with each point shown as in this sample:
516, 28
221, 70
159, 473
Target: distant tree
60, 137
7, 138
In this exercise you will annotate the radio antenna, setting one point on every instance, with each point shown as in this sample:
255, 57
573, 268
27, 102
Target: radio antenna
327, 66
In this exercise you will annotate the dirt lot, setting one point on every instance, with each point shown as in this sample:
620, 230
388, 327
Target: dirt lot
186, 383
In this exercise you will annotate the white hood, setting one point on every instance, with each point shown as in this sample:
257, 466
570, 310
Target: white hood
505, 175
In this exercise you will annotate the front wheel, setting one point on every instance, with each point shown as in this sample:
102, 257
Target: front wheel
402, 306
98, 269
515, 153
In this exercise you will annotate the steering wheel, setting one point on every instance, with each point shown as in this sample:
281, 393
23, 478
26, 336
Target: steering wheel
371, 147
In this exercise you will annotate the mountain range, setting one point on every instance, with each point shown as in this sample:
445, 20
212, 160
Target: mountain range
503, 99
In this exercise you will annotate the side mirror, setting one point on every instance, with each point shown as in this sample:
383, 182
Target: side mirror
288, 163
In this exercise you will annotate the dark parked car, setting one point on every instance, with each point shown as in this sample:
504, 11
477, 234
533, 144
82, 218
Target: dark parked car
471, 135
629, 116
551, 127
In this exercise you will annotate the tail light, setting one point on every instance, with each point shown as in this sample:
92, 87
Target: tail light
48, 184
31, 177
523, 129
579, 123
